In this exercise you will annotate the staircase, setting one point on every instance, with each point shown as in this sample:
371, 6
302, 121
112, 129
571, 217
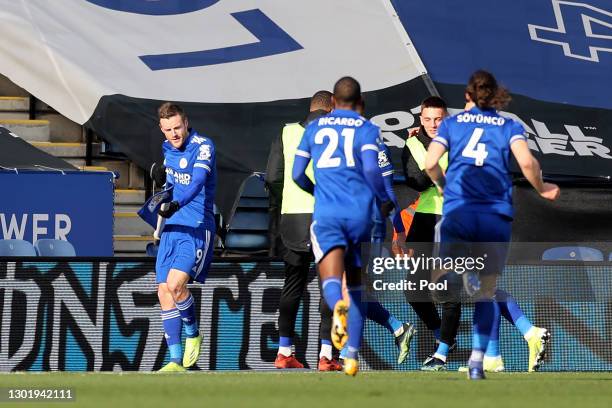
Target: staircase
47, 130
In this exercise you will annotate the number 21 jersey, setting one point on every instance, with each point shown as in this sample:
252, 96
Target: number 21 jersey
334, 143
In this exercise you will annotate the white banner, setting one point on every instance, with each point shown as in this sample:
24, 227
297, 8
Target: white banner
70, 53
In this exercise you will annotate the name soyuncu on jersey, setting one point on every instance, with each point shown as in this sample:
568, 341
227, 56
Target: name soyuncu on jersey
478, 176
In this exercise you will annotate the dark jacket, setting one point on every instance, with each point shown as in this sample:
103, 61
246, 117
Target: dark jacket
415, 177
294, 228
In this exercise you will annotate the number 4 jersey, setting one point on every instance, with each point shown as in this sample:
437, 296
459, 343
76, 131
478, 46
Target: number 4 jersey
478, 175
334, 143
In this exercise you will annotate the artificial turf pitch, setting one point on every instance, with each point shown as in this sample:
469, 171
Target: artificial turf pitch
311, 389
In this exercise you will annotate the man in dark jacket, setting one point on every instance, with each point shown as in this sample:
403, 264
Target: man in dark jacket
427, 213
296, 209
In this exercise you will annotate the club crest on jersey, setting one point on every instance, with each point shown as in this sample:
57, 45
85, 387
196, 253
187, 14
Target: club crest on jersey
204, 153
183, 163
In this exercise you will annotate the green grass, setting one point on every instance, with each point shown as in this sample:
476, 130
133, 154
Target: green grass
316, 390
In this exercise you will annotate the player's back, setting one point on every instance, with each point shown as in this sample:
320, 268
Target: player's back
335, 143
478, 176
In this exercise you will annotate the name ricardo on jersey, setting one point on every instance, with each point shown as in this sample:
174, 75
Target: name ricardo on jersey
480, 118
332, 120
181, 178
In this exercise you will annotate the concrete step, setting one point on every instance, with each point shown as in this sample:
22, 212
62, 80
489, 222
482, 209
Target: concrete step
119, 167
66, 150
126, 208
137, 176
30, 130
129, 223
14, 104
8, 88
129, 196
92, 168
130, 244
62, 129
14, 115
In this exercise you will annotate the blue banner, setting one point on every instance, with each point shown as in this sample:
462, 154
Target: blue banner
72, 206
551, 50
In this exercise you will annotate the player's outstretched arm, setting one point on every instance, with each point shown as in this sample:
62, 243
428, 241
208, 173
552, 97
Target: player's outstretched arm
432, 167
532, 172
299, 173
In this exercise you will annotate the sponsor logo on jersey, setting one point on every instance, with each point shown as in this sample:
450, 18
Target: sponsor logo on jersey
204, 153
180, 178
197, 139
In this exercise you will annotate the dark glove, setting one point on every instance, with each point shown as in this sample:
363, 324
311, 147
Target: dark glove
386, 208
167, 210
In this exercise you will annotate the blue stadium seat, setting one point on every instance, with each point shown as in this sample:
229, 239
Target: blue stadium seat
152, 249
247, 229
16, 247
246, 242
54, 247
573, 253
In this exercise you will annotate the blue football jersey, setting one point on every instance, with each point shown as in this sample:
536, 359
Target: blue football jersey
198, 151
334, 143
478, 176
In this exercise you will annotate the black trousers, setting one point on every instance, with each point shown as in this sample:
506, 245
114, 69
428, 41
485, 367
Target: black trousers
297, 266
423, 230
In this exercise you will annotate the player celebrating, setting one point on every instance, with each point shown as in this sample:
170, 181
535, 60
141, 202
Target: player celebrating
343, 147
478, 189
186, 246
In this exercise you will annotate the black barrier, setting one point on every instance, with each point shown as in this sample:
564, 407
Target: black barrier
102, 314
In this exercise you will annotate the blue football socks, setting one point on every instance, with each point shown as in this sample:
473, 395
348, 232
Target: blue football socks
188, 315
332, 291
485, 313
357, 313
377, 313
171, 320
512, 312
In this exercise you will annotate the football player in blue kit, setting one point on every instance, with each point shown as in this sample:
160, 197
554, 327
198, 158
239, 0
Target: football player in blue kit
477, 191
344, 148
403, 333
186, 246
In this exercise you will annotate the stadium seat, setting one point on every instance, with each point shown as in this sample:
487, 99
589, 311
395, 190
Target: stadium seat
247, 230
54, 247
573, 253
152, 249
16, 247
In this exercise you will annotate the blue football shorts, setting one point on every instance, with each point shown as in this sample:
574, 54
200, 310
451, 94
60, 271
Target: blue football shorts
327, 233
476, 234
187, 249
